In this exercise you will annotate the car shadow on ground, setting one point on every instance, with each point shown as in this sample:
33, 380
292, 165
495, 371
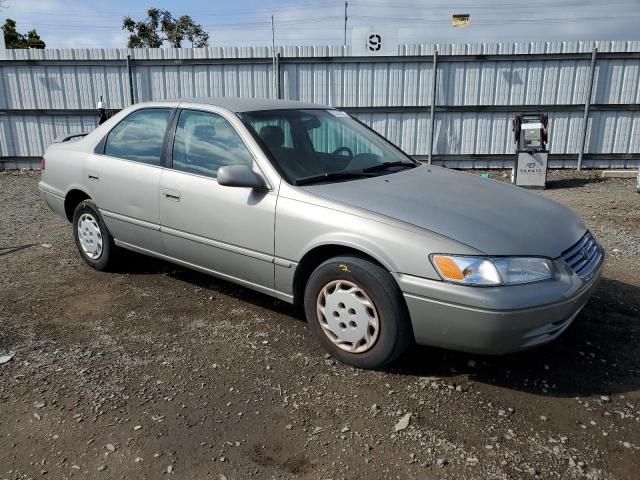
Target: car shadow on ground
563, 183
597, 355
131, 263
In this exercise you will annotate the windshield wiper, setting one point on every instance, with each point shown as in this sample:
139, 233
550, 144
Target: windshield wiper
385, 165
332, 176
347, 174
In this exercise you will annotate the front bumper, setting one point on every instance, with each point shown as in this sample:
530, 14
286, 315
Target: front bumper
495, 320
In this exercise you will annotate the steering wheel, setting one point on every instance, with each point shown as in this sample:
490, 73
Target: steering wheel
343, 149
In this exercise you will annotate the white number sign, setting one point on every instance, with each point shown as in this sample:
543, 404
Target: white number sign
374, 41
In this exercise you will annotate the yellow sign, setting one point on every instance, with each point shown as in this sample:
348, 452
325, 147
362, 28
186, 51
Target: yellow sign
461, 20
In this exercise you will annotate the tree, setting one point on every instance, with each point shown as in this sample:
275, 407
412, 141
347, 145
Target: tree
34, 40
14, 39
11, 35
161, 26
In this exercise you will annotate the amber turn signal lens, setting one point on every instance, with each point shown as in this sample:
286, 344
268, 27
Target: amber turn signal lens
448, 268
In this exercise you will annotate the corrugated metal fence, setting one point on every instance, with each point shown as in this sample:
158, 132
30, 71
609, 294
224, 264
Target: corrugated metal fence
479, 88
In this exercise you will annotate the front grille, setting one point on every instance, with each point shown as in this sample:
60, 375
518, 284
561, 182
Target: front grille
584, 257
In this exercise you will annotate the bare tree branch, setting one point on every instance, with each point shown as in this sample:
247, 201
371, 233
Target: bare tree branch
161, 26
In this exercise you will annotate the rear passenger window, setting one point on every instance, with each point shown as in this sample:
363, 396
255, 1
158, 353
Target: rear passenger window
205, 142
140, 136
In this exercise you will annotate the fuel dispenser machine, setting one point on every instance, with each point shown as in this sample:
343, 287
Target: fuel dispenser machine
530, 132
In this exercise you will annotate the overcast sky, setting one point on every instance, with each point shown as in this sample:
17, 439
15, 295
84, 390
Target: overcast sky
98, 23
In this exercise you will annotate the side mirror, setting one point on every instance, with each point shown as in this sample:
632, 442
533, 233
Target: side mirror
240, 176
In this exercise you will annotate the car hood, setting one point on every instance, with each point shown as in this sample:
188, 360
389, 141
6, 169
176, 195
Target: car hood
494, 217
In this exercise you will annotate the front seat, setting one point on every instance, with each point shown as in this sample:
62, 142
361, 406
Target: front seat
273, 136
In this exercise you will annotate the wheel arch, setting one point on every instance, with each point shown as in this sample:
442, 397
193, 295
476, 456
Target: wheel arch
319, 254
71, 200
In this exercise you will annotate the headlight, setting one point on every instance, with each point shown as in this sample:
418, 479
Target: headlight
492, 271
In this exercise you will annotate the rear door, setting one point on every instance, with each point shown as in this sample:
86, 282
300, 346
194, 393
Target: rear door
228, 231
124, 177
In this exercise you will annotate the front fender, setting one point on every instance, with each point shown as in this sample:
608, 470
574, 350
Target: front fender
352, 241
303, 226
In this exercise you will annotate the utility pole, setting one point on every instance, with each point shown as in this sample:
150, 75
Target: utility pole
273, 33
346, 4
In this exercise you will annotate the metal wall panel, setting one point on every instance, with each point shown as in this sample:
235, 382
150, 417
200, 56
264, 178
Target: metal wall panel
520, 48
617, 81
613, 132
484, 133
489, 133
48, 85
62, 87
352, 84
29, 135
361, 84
409, 131
551, 82
160, 82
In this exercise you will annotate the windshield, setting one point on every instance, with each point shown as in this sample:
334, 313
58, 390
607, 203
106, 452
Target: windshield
311, 146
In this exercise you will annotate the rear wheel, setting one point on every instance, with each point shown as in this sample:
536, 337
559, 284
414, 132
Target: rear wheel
93, 240
356, 311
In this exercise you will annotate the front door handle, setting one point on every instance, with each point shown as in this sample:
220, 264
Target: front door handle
172, 195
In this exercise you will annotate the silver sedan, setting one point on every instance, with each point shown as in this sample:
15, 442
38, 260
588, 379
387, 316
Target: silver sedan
305, 203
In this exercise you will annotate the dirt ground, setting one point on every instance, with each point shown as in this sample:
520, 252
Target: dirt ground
159, 372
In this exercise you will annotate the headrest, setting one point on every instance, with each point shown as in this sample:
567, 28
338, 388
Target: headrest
272, 135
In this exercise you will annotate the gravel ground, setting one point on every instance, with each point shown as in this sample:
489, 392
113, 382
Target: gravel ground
158, 372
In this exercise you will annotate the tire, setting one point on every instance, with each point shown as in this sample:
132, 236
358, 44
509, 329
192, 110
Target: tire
337, 295
94, 242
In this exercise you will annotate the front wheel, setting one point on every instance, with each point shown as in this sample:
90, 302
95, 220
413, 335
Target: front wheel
91, 236
356, 311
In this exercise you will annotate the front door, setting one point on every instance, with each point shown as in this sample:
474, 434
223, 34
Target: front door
228, 231
124, 178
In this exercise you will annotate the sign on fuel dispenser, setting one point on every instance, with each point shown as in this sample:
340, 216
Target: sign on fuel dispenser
531, 132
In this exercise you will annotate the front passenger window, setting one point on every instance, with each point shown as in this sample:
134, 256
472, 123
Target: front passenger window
140, 136
205, 142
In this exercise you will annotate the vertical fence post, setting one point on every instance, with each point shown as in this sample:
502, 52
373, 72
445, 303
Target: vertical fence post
434, 78
278, 89
132, 99
273, 58
587, 105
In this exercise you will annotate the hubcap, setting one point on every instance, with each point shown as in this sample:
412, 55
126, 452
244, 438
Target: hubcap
348, 316
90, 236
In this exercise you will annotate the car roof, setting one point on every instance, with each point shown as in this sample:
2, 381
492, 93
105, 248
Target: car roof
238, 105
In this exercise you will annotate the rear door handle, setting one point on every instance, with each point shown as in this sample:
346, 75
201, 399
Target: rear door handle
172, 195
93, 176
